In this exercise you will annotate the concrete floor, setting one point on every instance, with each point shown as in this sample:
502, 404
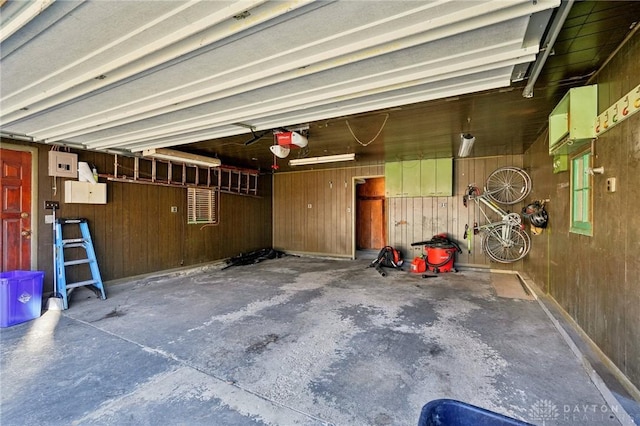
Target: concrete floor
293, 341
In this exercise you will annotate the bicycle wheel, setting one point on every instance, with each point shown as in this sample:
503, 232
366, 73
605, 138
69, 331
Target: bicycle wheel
506, 244
508, 185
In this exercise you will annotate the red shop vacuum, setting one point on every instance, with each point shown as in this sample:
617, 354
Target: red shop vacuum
440, 253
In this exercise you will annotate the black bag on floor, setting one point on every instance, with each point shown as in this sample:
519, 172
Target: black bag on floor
388, 257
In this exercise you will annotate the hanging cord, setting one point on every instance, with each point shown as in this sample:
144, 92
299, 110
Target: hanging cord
374, 138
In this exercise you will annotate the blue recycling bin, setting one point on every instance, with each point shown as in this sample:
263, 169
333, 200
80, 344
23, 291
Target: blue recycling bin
20, 296
449, 412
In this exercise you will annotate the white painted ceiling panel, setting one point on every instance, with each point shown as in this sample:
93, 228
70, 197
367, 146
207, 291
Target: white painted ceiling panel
141, 74
414, 94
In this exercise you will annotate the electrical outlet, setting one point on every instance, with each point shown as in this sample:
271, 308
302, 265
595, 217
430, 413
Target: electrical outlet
48, 219
174, 209
611, 184
51, 205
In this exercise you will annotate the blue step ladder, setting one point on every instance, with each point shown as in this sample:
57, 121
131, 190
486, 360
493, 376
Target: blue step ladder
62, 286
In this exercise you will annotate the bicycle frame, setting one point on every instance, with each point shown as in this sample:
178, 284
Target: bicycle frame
503, 240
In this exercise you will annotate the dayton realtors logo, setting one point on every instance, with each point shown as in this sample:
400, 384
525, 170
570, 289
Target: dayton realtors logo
544, 410
547, 412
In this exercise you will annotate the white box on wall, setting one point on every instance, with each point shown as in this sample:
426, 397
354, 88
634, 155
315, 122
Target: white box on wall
85, 192
63, 164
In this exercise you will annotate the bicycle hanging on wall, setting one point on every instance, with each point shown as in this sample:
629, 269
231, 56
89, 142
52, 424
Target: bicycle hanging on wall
504, 240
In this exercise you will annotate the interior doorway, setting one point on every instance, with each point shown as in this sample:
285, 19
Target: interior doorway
371, 232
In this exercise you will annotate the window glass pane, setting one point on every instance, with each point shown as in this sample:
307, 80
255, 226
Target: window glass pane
581, 194
578, 174
577, 206
585, 205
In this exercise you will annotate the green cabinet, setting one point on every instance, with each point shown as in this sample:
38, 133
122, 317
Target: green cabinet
419, 178
411, 178
436, 177
572, 121
393, 179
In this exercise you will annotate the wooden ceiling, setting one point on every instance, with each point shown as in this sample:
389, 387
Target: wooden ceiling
393, 80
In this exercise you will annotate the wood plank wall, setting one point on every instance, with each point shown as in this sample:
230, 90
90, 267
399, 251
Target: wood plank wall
136, 233
597, 279
326, 227
416, 219
313, 210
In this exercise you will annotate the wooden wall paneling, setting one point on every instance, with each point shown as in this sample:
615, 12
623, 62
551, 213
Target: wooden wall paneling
399, 222
139, 240
337, 212
390, 216
407, 221
178, 223
319, 228
154, 225
442, 206
324, 217
627, 301
337, 231
460, 173
298, 211
478, 173
324, 212
334, 212
595, 279
348, 208
610, 233
278, 230
288, 205
127, 231
135, 233
312, 226
417, 227
281, 233
285, 208
236, 231
101, 237
333, 231
284, 183
115, 239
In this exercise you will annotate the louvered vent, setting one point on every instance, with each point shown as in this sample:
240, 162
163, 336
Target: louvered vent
202, 205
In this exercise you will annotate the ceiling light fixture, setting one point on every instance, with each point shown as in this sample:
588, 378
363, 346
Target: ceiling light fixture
181, 157
466, 144
321, 160
280, 151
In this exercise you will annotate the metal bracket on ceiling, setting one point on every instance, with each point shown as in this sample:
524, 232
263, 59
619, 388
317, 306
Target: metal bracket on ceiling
547, 46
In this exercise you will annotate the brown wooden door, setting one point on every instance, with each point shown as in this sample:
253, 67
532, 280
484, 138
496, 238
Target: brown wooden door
15, 187
370, 228
370, 219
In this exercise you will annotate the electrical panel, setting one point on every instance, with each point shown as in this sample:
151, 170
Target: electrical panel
63, 164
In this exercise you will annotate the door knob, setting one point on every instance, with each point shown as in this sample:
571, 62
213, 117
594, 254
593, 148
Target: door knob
26, 233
